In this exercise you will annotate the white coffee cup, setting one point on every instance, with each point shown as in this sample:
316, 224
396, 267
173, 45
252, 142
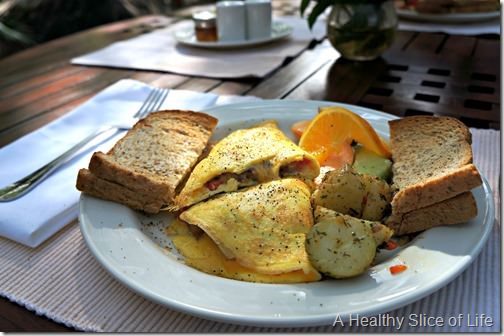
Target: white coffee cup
231, 21
258, 19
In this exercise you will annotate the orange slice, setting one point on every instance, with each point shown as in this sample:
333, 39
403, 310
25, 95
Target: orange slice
333, 127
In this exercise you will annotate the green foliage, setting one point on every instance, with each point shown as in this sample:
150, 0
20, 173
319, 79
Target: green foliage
14, 36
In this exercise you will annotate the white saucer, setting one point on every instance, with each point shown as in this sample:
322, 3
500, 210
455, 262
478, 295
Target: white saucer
186, 36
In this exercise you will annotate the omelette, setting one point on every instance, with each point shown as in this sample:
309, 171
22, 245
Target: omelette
262, 228
201, 253
244, 158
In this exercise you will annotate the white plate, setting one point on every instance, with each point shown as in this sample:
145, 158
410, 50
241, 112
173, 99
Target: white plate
279, 30
135, 253
447, 18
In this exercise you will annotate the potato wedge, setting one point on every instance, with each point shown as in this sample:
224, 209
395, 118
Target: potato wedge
354, 194
342, 191
378, 198
381, 233
340, 246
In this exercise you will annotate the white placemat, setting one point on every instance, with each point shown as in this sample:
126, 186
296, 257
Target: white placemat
160, 51
466, 28
61, 280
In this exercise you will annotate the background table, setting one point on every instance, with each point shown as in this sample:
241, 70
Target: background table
423, 73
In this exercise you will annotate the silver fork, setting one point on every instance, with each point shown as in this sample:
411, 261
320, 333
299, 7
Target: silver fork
21, 187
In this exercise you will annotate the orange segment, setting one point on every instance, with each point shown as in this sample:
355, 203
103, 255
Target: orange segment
333, 127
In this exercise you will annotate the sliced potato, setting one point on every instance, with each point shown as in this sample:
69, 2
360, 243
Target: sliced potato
353, 194
340, 246
342, 191
378, 197
381, 233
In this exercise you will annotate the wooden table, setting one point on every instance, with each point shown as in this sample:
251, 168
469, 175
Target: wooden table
423, 73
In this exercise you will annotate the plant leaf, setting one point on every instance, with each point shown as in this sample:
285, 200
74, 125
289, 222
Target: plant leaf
13, 35
319, 8
304, 5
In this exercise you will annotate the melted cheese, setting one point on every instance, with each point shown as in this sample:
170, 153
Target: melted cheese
264, 172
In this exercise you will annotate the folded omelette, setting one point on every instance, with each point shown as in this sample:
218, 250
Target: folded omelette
201, 253
262, 228
245, 158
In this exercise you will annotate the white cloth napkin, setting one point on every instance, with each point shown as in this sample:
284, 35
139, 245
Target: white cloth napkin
160, 51
39, 214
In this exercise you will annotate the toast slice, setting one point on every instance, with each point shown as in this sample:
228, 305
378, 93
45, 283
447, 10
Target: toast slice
97, 187
458, 209
432, 161
151, 161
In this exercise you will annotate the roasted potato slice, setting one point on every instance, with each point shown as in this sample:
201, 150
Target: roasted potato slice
342, 191
340, 246
378, 198
381, 233
354, 194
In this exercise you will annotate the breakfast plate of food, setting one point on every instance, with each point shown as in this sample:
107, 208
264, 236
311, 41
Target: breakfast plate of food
286, 213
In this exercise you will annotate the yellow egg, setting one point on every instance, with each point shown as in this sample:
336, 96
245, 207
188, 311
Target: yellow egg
203, 254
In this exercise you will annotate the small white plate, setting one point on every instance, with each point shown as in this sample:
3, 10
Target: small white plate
279, 30
133, 248
447, 18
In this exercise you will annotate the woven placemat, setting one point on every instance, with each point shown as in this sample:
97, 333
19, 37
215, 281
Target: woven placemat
62, 280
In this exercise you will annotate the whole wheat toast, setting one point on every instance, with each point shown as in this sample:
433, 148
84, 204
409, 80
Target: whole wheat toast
432, 161
152, 159
97, 187
458, 209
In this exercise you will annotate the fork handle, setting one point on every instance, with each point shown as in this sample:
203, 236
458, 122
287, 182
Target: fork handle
22, 186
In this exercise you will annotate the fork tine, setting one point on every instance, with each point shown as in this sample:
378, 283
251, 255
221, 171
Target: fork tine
144, 105
161, 99
151, 104
156, 102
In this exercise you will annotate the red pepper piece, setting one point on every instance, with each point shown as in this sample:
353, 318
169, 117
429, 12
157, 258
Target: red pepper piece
396, 269
391, 245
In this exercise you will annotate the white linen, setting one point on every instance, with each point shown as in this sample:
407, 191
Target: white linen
33, 218
160, 51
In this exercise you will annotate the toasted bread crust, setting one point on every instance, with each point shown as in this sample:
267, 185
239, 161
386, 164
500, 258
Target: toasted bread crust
432, 161
154, 157
90, 184
105, 168
436, 190
458, 209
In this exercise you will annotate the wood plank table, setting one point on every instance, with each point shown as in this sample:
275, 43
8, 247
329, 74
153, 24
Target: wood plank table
423, 73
